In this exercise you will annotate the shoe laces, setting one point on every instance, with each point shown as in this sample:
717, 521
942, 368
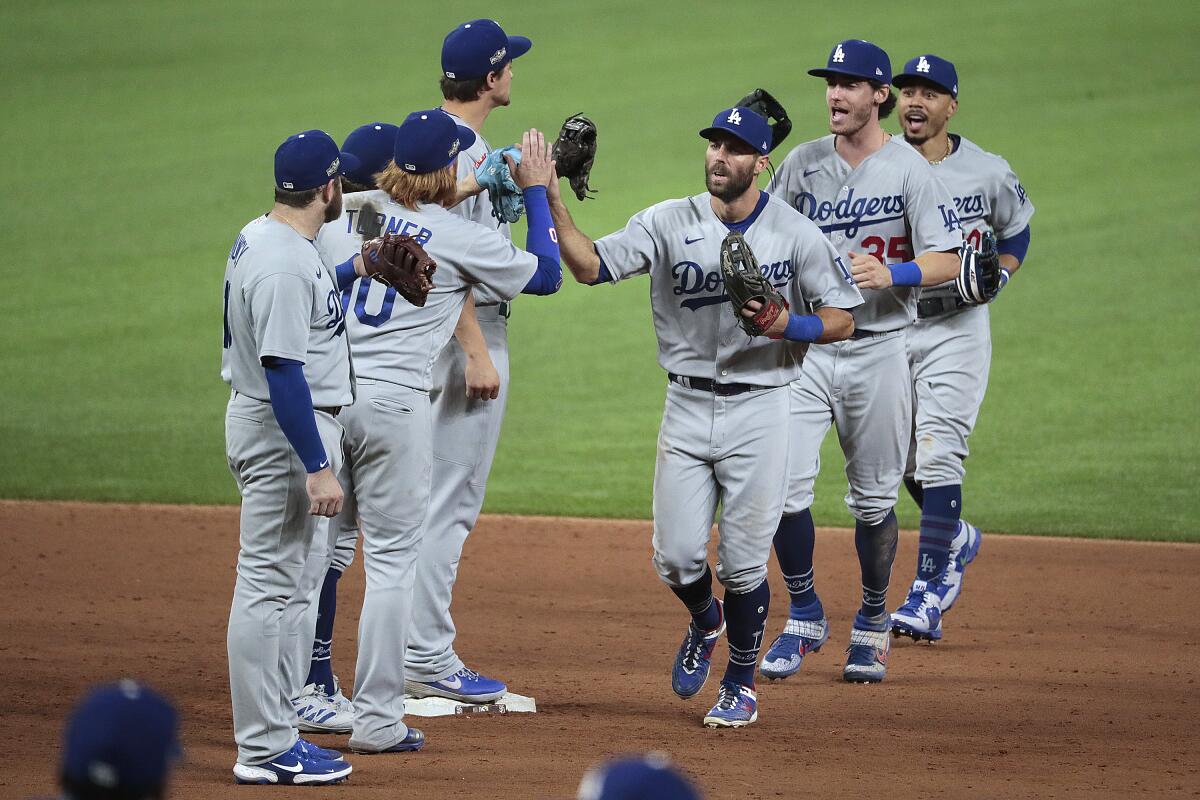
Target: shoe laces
693, 647
468, 673
728, 697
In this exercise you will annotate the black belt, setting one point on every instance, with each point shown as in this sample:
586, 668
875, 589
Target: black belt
865, 334
332, 411
505, 309
705, 385
936, 306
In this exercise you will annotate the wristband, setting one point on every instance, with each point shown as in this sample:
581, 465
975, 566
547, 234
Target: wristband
907, 273
804, 328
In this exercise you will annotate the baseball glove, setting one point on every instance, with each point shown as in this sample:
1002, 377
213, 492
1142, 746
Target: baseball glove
979, 275
744, 282
762, 103
495, 176
574, 151
400, 263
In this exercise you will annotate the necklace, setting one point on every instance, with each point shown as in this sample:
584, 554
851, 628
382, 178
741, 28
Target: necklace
949, 150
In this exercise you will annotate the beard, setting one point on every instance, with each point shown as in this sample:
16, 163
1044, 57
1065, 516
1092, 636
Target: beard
853, 121
334, 209
736, 183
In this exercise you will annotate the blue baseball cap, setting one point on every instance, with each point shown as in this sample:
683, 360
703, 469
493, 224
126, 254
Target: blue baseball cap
928, 67
121, 736
429, 140
649, 777
372, 145
478, 47
858, 59
308, 160
747, 125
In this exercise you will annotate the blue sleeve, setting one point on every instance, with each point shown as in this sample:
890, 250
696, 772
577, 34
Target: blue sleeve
345, 273
1016, 246
547, 279
542, 241
605, 276
292, 403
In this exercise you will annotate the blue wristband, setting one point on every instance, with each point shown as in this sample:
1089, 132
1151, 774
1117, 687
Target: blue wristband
345, 273
804, 328
907, 273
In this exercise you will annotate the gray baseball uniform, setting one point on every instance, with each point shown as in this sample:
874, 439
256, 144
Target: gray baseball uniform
950, 347
713, 448
891, 206
281, 301
389, 429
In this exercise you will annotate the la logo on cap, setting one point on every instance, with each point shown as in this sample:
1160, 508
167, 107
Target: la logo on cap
839, 55
735, 117
922, 65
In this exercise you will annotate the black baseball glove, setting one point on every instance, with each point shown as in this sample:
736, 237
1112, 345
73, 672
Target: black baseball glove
574, 151
762, 103
979, 274
402, 264
744, 282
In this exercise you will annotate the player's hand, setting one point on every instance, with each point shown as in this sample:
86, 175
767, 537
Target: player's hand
752, 307
468, 186
535, 167
483, 381
868, 272
324, 493
553, 195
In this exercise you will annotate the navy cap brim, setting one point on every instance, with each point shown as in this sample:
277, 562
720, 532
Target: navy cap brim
825, 72
466, 138
707, 133
518, 46
905, 77
347, 163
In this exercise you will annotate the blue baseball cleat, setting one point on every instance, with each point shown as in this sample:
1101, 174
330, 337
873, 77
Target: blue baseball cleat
867, 655
413, 741
806, 630
299, 766
737, 707
963, 550
465, 686
694, 657
920, 617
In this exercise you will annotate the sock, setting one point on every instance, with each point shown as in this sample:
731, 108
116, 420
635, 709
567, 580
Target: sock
939, 526
915, 491
876, 546
745, 620
701, 604
320, 669
795, 540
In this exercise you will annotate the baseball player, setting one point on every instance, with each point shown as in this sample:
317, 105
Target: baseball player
287, 362
727, 401
879, 204
949, 346
395, 345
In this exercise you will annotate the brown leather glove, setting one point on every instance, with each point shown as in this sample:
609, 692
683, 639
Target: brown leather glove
402, 264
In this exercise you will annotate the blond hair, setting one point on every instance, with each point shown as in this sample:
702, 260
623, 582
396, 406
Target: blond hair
407, 189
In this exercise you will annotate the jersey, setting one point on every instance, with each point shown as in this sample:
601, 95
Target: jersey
987, 196
678, 243
282, 301
478, 208
398, 342
891, 206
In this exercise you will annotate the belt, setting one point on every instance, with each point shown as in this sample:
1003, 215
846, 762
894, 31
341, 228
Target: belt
332, 411
504, 310
865, 334
705, 385
936, 306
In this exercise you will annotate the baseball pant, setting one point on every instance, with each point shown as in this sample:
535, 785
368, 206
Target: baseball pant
283, 554
861, 386
465, 434
727, 451
950, 356
388, 439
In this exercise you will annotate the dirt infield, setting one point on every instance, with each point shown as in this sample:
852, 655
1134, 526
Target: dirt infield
1069, 667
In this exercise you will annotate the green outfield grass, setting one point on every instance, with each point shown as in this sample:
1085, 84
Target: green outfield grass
138, 140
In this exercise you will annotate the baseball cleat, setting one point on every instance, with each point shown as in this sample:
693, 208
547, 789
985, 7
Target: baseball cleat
694, 658
299, 766
737, 707
323, 712
413, 741
867, 655
920, 617
963, 550
465, 686
799, 638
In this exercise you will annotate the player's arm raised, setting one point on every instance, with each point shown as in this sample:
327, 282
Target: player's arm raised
578, 251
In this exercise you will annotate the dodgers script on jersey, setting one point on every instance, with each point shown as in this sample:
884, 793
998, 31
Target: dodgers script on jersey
478, 208
987, 196
467, 255
892, 206
282, 301
678, 242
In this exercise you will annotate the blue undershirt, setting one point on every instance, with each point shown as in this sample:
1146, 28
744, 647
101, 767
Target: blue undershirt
291, 401
1015, 246
542, 241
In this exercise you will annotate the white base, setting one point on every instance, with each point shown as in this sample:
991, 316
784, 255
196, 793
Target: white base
445, 707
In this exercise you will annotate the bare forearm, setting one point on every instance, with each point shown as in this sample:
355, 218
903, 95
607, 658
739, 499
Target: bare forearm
467, 187
1009, 263
838, 322
578, 251
937, 268
467, 331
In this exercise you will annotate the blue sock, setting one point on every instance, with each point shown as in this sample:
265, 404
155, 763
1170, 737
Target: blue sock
876, 546
320, 669
795, 540
701, 604
939, 526
915, 491
746, 621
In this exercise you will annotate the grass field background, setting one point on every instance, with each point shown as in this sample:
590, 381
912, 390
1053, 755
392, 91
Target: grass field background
138, 140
